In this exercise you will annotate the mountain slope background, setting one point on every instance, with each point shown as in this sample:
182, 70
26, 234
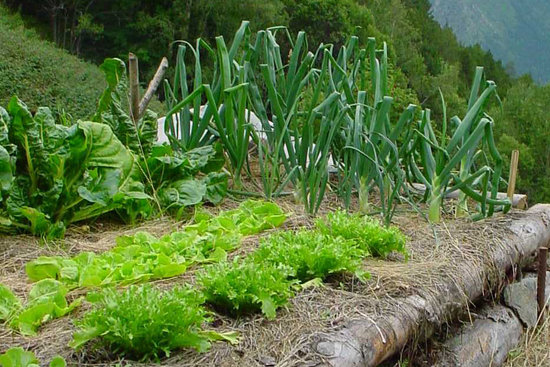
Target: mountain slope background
516, 32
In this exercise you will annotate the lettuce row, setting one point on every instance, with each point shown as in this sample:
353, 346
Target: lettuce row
142, 256
132, 322
265, 280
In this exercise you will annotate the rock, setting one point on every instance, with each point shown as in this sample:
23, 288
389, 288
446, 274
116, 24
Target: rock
522, 298
485, 342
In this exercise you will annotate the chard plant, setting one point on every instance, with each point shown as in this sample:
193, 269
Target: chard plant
54, 175
464, 158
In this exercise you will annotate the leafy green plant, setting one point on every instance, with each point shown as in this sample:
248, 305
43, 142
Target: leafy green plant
46, 301
183, 179
9, 303
55, 175
143, 322
243, 286
309, 254
18, 357
251, 217
363, 231
479, 175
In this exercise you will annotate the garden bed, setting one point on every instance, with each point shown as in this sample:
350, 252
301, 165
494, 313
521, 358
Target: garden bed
438, 257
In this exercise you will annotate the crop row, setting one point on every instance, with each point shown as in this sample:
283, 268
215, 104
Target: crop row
134, 259
324, 109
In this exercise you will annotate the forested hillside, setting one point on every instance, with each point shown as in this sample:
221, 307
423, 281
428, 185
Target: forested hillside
42, 74
424, 56
516, 32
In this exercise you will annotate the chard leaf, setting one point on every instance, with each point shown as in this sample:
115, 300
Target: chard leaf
216, 187
182, 193
6, 174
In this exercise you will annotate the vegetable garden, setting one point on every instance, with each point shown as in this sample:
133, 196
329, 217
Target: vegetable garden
284, 204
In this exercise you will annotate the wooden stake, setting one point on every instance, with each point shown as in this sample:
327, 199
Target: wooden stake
134, 86
153, 86
541, 281
513, 174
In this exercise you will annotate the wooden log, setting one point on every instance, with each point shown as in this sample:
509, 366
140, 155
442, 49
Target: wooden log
153, 86
486, 342
519, 201
133, 76
368, 342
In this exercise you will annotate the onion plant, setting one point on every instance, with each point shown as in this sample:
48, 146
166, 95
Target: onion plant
306, 112
370, 157
224, 115
459, 161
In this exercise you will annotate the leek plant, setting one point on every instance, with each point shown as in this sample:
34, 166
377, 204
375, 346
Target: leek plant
459, 161
224, 115
306, 111
370, 157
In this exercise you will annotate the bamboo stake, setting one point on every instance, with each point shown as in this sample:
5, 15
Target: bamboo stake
153, 86
541, 282
513, 174
134, 86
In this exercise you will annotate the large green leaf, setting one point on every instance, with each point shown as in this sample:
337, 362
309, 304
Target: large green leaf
18, 357
113, 107
9, 303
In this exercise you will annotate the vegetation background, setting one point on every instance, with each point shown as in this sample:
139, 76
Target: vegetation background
425, 56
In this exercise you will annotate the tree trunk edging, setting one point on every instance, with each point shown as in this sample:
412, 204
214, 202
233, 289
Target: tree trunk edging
368, 343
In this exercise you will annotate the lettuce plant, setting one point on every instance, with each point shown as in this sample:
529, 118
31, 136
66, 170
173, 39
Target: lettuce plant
46, 301
365, 232
309, 254
9, 303
143, 322
18, 357
242, 287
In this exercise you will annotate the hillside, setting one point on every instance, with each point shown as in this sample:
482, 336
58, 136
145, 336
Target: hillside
42, 74
516, 32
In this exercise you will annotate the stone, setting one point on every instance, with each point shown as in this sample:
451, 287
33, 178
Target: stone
522, 298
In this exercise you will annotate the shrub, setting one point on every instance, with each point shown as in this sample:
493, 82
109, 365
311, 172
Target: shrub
143, 322
366, 232
310, 254
242, 287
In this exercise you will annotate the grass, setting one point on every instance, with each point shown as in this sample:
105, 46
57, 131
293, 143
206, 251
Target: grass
533, 350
